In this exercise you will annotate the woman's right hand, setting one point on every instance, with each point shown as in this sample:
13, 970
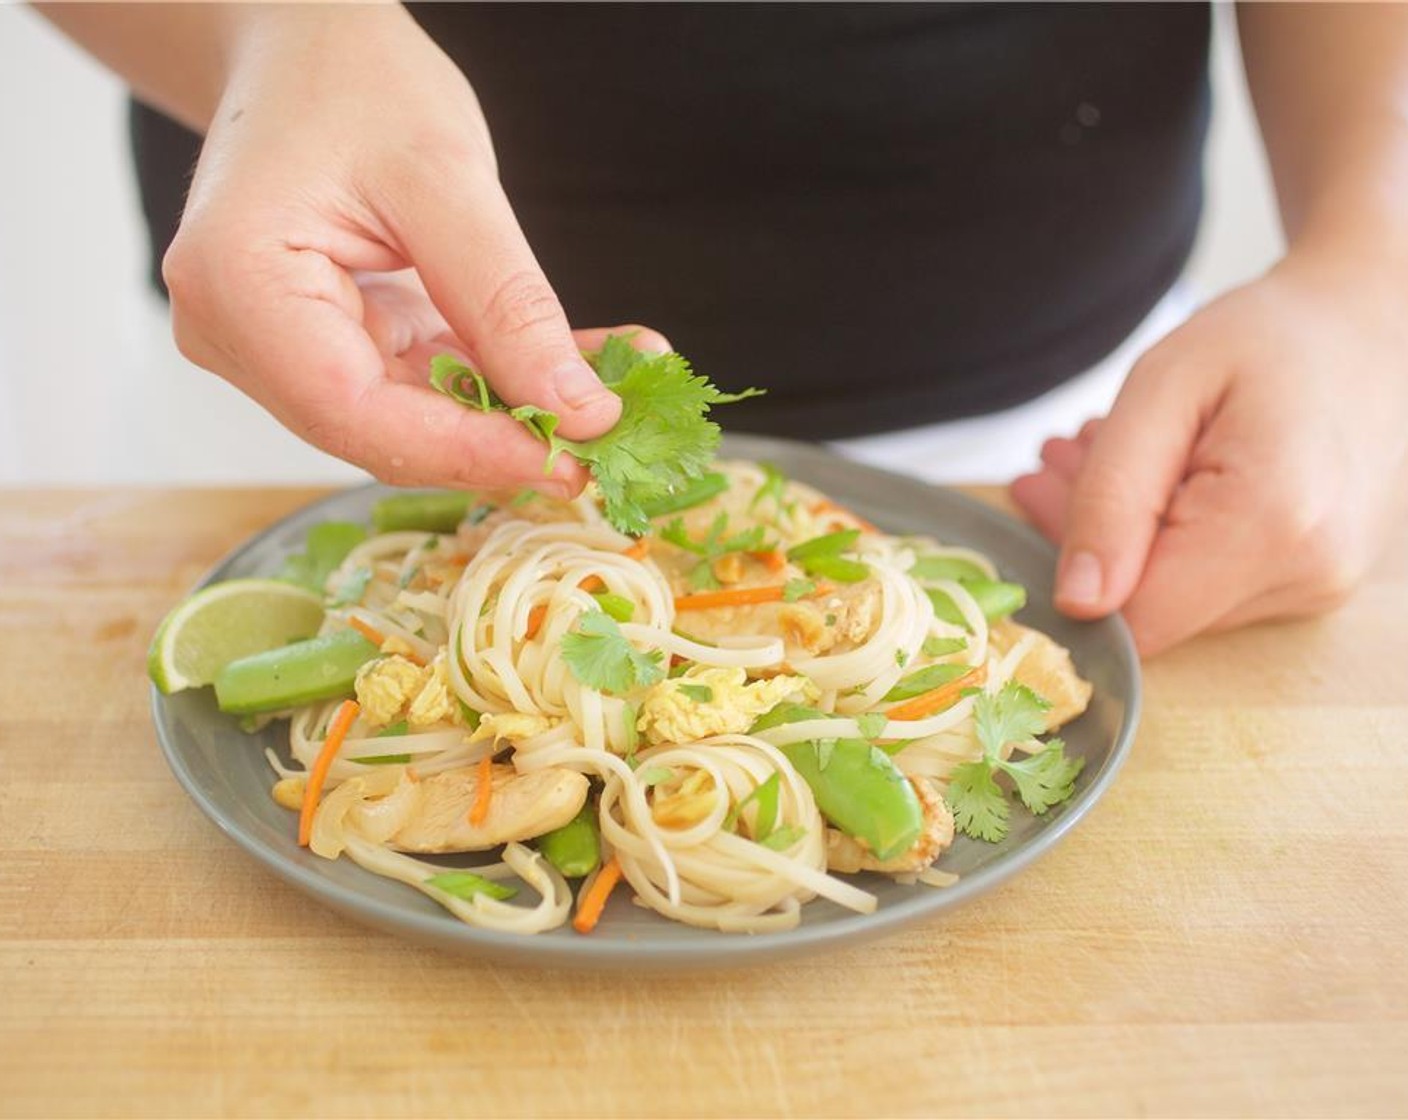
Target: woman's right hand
345, 223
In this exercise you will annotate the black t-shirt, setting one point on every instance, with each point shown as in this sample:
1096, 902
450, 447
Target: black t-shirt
886, 215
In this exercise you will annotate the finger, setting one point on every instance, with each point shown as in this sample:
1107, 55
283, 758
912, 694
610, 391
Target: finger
1135, 461
642, 338
1208, 563
465, 243
1064, 456
286, 328
1043, 497
1088, 430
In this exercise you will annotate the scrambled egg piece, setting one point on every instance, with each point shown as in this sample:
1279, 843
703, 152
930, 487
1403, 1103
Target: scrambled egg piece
513, 726
386, 686
434, 703
396, 687
668, 714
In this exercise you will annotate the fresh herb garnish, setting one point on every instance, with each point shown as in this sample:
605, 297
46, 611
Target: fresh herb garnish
773, 488
662, 442
601, 657
699, 693
795, 589
1016, 715
711, 546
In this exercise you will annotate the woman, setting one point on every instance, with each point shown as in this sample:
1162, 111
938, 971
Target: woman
890, 216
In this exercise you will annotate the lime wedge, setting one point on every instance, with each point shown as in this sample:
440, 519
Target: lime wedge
226, 621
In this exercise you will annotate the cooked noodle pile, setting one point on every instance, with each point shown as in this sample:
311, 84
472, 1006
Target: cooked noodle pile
718, 696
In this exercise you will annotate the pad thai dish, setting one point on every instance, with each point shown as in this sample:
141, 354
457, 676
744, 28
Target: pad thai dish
756, 695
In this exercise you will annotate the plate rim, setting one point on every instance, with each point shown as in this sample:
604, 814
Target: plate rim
729, 949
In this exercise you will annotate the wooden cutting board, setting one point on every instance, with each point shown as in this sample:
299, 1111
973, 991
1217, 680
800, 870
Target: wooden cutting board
1226, 934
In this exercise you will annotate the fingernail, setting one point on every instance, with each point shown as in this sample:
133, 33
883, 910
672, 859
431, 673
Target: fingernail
577, 385
1081, 580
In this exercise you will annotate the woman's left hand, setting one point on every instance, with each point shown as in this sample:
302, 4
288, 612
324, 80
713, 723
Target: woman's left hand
1252, 465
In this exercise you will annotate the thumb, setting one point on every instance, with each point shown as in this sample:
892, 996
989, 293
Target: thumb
1135, 463
465, 242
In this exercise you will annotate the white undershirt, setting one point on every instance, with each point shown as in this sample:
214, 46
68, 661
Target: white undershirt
1001, 445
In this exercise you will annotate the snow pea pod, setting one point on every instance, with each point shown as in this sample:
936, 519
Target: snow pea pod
860, 790
994, 598
316, 669
575, 848
427, 511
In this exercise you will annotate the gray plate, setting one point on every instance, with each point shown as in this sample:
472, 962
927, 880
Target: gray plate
225, 772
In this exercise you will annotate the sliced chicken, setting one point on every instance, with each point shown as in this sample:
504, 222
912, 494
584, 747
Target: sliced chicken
1048, 671
431, 815
847, 854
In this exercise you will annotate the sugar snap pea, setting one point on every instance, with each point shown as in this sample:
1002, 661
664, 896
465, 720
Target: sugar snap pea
575, 848
427, 511
995, 599
316, 669
860, 790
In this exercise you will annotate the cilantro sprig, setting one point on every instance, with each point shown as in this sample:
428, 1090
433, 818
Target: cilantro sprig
663, 441
601, 657
712, 545
1042, 779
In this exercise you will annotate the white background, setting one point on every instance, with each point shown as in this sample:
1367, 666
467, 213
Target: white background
91, 389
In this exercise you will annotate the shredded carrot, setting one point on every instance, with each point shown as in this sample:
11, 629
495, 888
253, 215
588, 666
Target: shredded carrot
536, 617
826, 505
638, 550
483, 790
740, 597
378, 639
592, 584
730, 597
337, 731
937, 699
371, 633
593, 900
772, 559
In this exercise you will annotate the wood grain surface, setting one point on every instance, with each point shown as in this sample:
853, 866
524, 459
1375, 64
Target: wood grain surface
1227, 933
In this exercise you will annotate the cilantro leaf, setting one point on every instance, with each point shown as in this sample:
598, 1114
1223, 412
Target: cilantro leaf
1014, 715
601, 657
773, 488
979, 807
795, 589
662, 443
1045, 778
699, 693
712, 545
